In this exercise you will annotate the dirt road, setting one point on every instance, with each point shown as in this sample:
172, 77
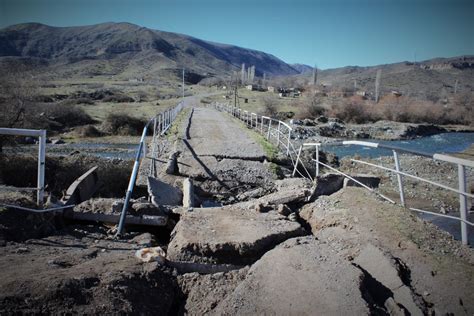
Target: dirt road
220, 154
213, 133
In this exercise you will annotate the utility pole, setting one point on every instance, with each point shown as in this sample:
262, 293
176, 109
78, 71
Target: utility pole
314, 79
183, 85
377, 85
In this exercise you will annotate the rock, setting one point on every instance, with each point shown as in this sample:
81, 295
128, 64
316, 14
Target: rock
293, 217
144, 240
369, 180
301, 276
146, 208
321, 119
151, 254
308, 122
284, 210
100, 205
57, 141
228, 235
172, 164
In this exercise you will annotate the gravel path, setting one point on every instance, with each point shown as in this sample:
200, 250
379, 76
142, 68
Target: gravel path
212, 133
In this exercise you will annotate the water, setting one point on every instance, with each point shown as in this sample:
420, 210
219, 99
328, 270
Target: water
452, 226
440, 143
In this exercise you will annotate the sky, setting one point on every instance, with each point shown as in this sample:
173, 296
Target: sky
325, 33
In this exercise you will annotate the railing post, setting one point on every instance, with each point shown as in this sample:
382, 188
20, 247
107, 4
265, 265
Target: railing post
131, 184
288, 143
317, 161
399, 178
41, 169
297, 160
463, 203
261, 127
278, 134
269, 128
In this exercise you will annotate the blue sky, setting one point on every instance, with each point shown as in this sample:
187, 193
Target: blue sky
327, 33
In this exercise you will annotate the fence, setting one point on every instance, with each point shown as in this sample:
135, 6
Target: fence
160, 124
41, 134
275, 131
461, 163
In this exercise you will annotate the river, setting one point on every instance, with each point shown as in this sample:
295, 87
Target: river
440, 143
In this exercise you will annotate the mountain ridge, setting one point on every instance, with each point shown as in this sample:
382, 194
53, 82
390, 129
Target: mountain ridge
134, 44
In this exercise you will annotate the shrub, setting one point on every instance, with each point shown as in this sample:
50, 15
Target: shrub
88, 131
311, 107
270, 106
59, 116
123, 124
353, 110
118, 98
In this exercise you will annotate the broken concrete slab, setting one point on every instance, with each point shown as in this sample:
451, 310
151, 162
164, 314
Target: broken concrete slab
388, 272
82, 188
228, 235
225, 170
328, 184
369, 180
204, 292
301, 276
100, 205
162, 193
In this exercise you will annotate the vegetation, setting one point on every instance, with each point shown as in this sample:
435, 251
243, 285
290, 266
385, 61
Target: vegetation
123, 124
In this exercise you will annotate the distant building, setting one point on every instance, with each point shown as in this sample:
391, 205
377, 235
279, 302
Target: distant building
254, 87
271, 89
363, 94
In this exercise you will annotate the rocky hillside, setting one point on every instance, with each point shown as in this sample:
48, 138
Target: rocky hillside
128, 50
431, 79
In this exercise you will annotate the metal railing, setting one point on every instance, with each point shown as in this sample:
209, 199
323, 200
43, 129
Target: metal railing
160, 124
274, 130
461, 163
41, 134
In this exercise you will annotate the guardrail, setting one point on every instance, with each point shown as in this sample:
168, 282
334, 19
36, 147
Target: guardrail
275, 131
41, 134
461, 163
160, 123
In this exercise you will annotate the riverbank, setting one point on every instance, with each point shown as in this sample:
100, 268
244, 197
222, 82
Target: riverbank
325, 129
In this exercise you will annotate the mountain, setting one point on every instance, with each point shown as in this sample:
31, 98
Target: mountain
302, 68
128, 50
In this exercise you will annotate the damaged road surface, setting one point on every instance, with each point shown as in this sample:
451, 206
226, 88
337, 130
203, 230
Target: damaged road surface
277, 246
220, 154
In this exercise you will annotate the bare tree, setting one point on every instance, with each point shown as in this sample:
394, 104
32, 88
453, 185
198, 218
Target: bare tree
252, 74
242, 74
315, 75
377, 85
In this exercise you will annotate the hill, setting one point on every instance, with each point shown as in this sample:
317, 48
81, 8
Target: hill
431, 79
128, 50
